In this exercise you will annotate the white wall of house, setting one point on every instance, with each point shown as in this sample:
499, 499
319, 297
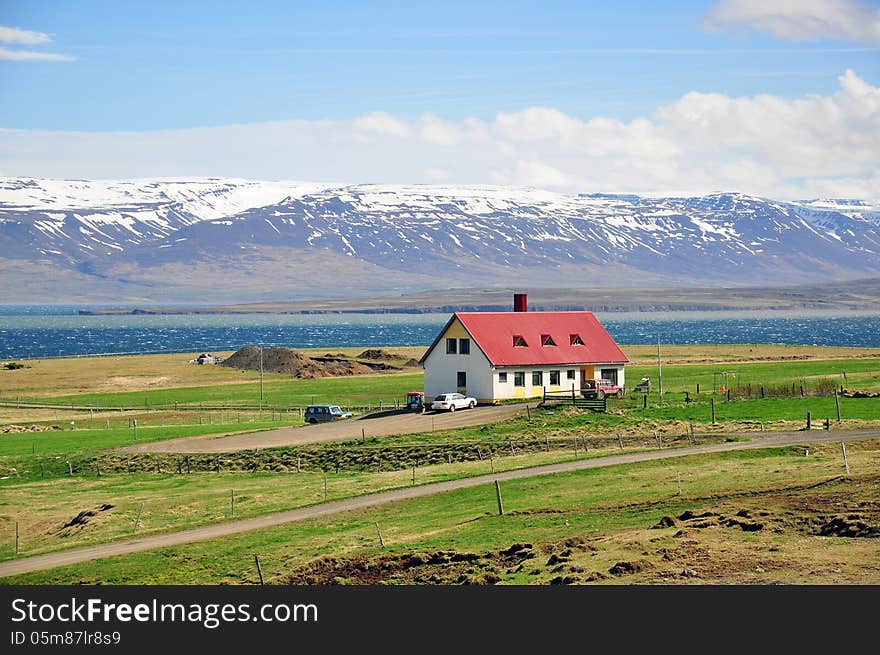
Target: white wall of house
441, 372
508, 389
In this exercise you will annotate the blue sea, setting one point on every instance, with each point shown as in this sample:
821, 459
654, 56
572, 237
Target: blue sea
52, 331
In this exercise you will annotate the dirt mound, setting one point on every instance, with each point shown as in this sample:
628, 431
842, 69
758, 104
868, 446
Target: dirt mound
851, 526
665, 522
443, 567
411, 363
292, 362
83, 519
440, 567
378, 353
627, 568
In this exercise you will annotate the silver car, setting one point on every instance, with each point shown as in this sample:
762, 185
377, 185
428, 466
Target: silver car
452, 401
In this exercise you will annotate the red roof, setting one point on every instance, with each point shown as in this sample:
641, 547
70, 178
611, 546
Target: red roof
495, 333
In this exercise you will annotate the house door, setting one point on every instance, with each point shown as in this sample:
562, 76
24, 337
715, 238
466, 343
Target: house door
587, 373
461, 382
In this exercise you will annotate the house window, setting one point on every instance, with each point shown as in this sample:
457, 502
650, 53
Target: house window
519, 342
569, 374
537, 379
464, 346
451, 346
461, 379
519, 378
609, 374
576, 340
502, 378
554, 377
547, 340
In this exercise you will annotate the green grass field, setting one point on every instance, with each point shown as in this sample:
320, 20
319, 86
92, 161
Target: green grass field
176, 502
39, 493
598, 517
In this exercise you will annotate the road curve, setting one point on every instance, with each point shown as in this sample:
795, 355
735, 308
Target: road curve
380, 426
75, 556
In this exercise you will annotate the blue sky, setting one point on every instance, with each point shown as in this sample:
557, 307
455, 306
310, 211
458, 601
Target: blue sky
160, 65
165, 66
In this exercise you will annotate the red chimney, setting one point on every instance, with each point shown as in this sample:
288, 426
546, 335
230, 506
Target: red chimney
520, 302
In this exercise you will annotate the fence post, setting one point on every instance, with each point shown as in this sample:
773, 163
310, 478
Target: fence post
259, 568
809, 420
498, 496
620, 440
138, 519
16, 535
712, 402
379, 533
845, 460
837, 403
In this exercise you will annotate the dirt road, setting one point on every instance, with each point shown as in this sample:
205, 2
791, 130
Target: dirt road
381, 426
53, 560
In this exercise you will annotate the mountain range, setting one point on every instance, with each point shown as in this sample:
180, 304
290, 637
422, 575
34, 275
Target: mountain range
214, 240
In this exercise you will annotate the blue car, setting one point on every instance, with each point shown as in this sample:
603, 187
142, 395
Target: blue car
323, 413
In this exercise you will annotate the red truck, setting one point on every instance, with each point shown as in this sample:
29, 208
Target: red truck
600, 388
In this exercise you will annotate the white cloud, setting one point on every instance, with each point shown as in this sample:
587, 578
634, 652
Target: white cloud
15, 35
702, 142
30, 55
380, 124
799, 20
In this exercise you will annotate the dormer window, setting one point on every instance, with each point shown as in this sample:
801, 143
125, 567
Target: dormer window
519, 342
547, 340
576, 340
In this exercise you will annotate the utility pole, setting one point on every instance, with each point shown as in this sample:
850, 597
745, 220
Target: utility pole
261, 378
659, 369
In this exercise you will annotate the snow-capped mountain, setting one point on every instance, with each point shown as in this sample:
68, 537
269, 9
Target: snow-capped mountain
265, 239
83, 218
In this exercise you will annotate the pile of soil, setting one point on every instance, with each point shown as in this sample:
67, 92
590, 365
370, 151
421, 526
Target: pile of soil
292, 362
378, 353
850, 526
438, 567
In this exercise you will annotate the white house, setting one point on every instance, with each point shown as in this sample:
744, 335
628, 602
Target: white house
520, 354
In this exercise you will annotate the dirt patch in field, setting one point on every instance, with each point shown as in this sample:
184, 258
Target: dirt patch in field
17, 429
134, 383
82, 520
